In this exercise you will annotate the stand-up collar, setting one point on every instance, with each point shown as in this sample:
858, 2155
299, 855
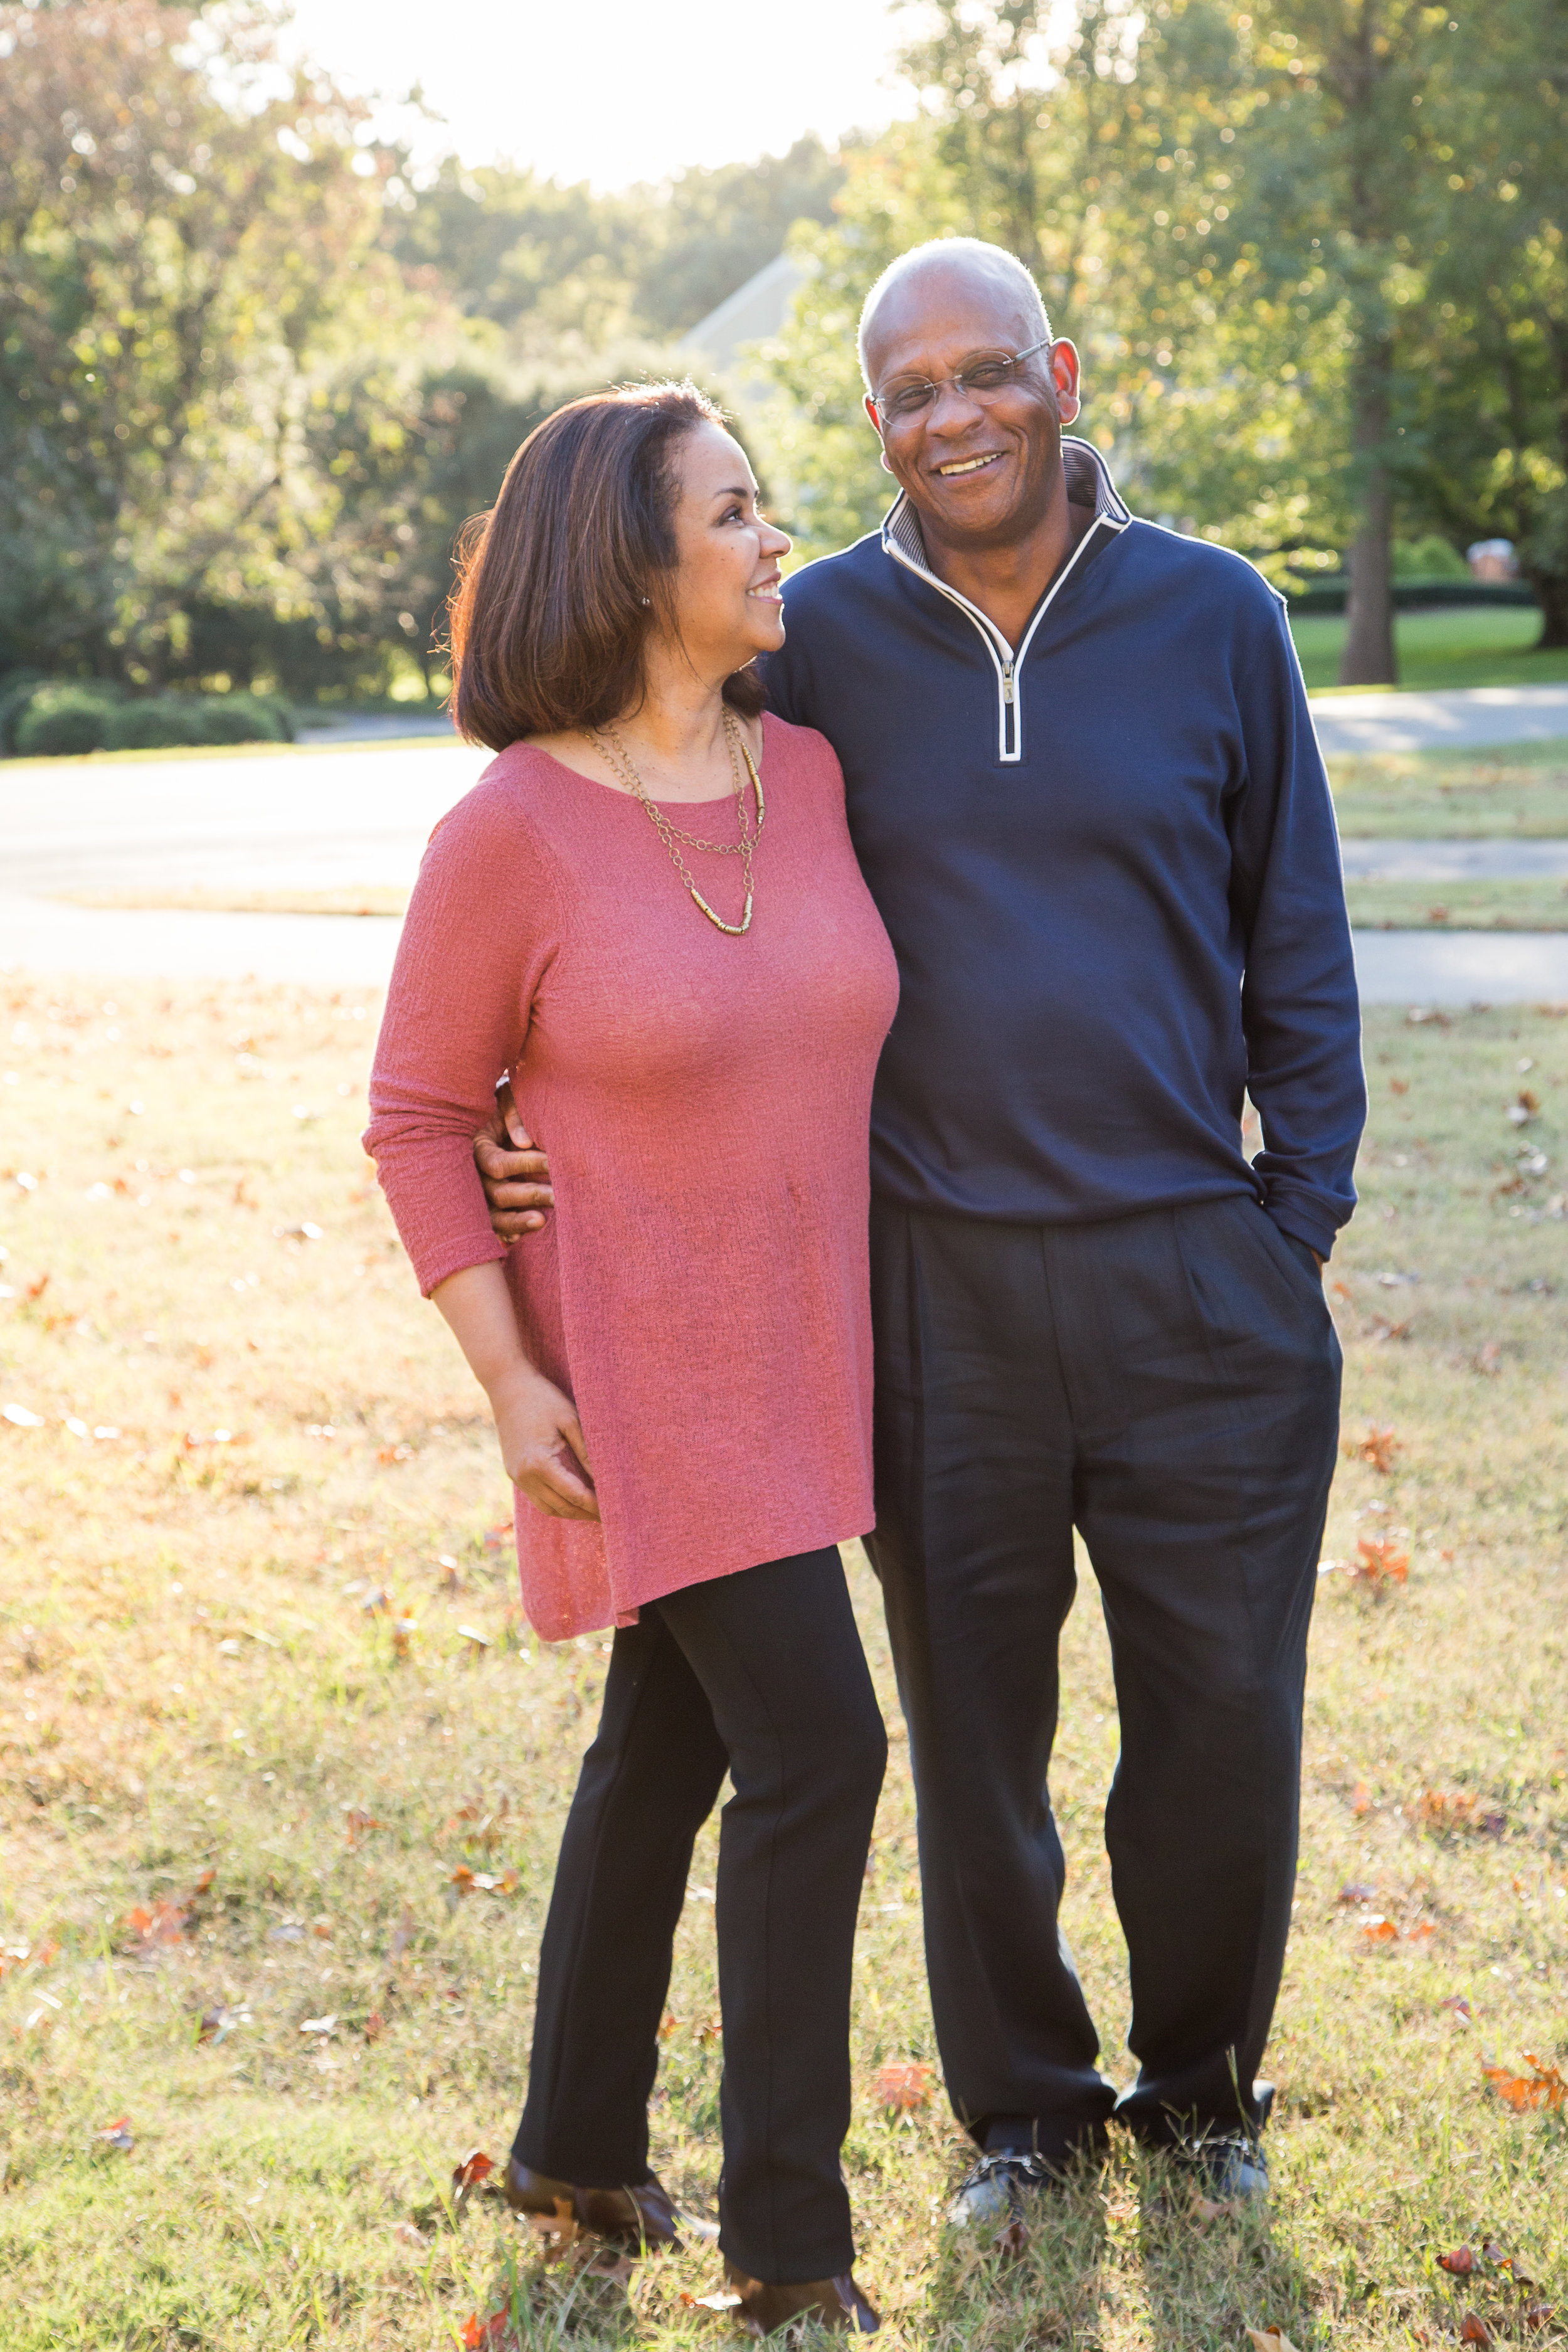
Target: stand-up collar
1088, 483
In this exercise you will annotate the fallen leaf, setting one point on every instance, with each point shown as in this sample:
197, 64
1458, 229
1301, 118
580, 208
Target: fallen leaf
724, 2301
1537, 2315
557, 2231
1269, 2339
1460, 2007
1379, 1447
375, 2026
471, 2168
1542, 2087
711, 2029
1459, 2263
358, 1822
1217, 2208
117, 2135
1380, 1931
1474, 2330
669, 2025
904, 2084
1379, 1562
1356, 1890
1362, 1801
410, 2235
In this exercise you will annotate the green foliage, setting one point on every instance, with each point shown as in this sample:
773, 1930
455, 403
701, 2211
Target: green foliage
64, 718
1432, 558
563, 273
189, 256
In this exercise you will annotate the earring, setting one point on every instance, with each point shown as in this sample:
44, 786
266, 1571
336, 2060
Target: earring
645, 600
886, 468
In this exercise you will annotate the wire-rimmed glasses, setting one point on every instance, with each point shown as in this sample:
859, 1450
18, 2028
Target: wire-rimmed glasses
987, 374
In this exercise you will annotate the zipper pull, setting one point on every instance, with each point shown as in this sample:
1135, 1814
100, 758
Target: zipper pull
1007, 683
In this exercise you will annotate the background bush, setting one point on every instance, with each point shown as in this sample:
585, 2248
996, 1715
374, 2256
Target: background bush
60, 719
41, 721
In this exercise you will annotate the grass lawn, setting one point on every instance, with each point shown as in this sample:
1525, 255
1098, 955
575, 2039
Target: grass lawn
282, 1770
1533, 906
1520, 789
1458, 644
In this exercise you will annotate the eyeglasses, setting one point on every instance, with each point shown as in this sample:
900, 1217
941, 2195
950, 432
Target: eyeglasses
986, 374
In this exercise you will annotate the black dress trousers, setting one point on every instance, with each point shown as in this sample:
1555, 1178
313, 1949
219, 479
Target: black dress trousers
760, 1675
1169, 1384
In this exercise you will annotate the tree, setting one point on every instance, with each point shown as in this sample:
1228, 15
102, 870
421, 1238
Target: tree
189, 260
1496, 395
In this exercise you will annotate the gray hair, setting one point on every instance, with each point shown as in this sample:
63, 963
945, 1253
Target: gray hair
993, 258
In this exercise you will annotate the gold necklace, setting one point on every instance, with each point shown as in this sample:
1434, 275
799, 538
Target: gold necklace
615, 753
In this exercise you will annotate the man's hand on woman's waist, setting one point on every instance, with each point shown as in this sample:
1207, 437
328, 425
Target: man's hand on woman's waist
515, 1176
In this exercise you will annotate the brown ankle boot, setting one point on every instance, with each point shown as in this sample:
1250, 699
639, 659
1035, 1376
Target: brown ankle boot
833, 2302
643, 2217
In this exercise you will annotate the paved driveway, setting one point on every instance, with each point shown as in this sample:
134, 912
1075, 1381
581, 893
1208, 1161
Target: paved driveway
361, 814
1463, 719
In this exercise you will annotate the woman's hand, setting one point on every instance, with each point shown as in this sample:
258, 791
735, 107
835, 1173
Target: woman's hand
541, 1444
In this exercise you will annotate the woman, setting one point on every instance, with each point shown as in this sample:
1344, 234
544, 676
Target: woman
648, 913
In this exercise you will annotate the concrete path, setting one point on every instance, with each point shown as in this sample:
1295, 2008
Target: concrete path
1458, 718
360, 815
356, 951
1454, 861
1462, 967
285, 821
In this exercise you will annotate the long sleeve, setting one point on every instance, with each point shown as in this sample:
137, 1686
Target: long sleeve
477, 939
1299, 1007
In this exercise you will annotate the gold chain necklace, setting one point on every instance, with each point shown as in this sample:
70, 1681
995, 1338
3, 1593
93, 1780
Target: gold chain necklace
615, 753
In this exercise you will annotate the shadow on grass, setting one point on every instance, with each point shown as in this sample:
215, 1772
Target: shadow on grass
1206, 2281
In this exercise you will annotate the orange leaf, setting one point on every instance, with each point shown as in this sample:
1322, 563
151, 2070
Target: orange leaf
1459, 2263
904, 2084
473, 2169
1269, 2339
1362, 1800
1380, 1931
1379, 1562
1474, 2330
1542, 2087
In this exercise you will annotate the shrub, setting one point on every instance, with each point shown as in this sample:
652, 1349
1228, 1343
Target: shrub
17, 687
246, 719
154, 724
61, 720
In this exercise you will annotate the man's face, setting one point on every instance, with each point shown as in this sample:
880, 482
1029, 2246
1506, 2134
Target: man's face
980, 468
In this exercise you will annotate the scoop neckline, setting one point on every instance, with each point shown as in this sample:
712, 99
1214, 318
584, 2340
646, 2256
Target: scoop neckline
616, 792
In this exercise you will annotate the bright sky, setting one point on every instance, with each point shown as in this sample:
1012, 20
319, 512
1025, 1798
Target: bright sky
614, 90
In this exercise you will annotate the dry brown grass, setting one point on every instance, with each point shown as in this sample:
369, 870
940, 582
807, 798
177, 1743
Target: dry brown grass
191, 1681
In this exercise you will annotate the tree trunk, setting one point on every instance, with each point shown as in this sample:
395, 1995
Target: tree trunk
1368, 658
1551, 594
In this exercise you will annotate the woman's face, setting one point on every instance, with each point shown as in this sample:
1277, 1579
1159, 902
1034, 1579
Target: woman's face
727, 605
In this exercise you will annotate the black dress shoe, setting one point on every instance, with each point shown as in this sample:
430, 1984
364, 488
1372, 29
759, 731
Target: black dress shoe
833, 2303
644, 2216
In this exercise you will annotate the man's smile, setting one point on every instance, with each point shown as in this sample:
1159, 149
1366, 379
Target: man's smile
957, 465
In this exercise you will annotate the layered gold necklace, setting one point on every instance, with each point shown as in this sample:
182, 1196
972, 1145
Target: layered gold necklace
615, 753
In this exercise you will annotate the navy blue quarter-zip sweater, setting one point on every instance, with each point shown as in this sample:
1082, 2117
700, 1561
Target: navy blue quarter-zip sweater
1108, 865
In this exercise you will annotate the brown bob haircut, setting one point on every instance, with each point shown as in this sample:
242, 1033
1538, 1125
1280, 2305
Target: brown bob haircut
560, 586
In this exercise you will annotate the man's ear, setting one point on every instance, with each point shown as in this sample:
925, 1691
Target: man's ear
870, 407
1066, 376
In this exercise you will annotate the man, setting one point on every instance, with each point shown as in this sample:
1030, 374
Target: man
1084, 790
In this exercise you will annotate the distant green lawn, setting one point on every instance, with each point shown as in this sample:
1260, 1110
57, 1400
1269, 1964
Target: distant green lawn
1458, 646
1519, 790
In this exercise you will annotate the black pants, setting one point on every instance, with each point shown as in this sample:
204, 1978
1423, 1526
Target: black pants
1169, 1383
760, 1675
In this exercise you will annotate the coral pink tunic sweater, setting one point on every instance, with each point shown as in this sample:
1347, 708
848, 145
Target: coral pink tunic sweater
701, 1289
